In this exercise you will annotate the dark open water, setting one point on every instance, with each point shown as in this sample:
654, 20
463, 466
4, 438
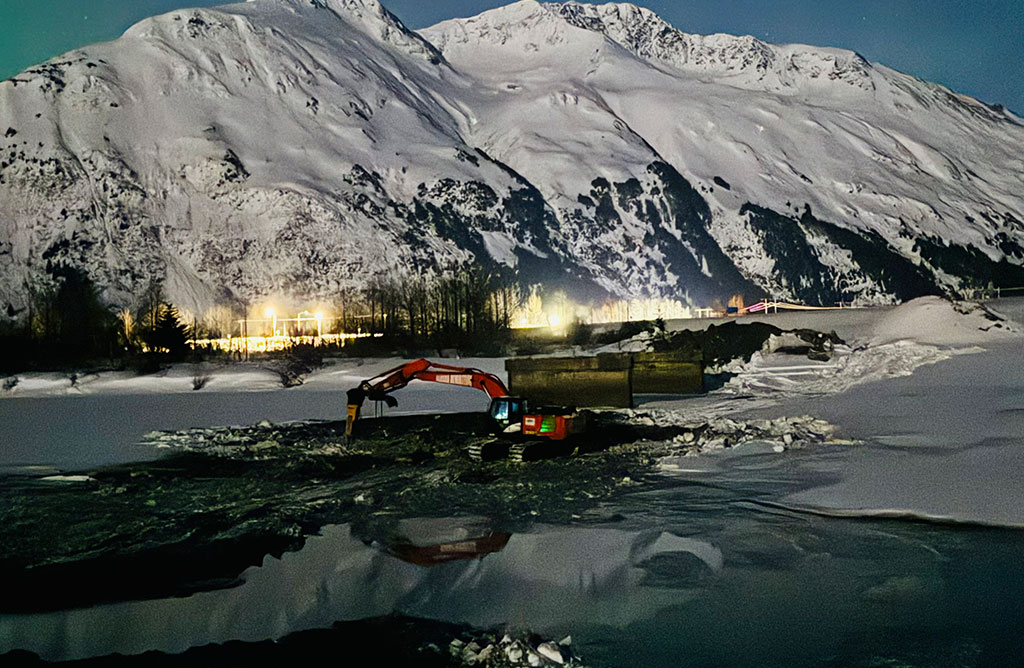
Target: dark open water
699, 575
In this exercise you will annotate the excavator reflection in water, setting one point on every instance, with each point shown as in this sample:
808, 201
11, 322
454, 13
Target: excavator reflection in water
442, 553
433, 541
511, 415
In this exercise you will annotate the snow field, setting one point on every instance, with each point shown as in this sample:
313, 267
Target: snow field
934, 441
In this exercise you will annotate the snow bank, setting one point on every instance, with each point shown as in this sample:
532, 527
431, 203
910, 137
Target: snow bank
936, 321
779, 375
935, 441
943, 444
923, 331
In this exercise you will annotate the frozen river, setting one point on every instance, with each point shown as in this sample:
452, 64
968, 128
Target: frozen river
73, 433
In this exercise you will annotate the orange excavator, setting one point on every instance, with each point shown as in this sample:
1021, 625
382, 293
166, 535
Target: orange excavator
511, 414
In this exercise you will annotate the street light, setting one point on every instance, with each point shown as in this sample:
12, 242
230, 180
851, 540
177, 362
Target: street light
273, 318
319, 324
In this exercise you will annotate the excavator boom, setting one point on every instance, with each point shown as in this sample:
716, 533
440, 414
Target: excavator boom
481, 380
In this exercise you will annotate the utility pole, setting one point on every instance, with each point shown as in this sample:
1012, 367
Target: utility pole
245, 329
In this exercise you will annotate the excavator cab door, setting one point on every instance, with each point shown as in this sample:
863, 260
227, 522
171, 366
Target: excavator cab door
507, 410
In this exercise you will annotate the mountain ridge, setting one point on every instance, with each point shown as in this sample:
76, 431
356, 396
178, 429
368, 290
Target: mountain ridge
266, 150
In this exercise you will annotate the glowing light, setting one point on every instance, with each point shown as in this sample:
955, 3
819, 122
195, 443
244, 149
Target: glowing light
260, 344
557, 311
272, 314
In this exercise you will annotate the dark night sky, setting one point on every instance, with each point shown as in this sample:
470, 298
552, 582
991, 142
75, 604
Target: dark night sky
975, 47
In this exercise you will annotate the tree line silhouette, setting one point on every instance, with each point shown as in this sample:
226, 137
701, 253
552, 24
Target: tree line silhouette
67, 324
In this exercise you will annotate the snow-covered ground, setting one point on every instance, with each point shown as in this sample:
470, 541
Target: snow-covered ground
337, 374
934, 395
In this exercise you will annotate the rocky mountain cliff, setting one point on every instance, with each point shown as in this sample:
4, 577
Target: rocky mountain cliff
298, 149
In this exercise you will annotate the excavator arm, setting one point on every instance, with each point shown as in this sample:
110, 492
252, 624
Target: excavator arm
380, 387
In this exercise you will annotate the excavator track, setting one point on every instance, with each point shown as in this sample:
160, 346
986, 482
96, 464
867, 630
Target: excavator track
519, 452
516, 452
536, 450
489, 451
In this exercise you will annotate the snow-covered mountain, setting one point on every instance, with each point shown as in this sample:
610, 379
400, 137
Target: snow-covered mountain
299, 148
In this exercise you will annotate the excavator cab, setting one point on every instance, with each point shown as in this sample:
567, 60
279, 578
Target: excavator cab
507, 411
513, 414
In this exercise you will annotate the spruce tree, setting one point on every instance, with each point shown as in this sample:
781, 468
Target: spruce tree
169, 335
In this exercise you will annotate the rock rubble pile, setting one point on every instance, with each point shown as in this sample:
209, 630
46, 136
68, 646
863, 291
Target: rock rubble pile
700, 436
512, 650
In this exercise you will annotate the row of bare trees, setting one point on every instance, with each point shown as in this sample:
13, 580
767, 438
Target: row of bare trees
460, 306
